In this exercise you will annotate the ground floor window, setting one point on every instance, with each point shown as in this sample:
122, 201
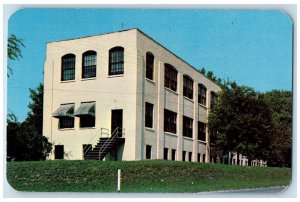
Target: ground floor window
166, 151
203, 159
66, 122
59, 152
87, 121
173, 154
190, 156
198, 157
183, 155
148, 151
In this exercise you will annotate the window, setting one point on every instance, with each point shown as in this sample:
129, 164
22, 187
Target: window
116, 61
170, 121
198, 157
183, 155
66, 122
202, 94
188, 86
89, 62
187, 129
86, 148
68, 67
173, 154
203, 158
65, 115
149, 115
86, 113
201, 131
59, 152
166, 152
170, 77
190, 156
87, 121
213, 100
149, 65
148, 151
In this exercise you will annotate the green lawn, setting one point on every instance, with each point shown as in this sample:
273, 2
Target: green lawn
139, 176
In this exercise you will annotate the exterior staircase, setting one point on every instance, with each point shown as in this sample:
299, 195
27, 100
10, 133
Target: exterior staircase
105, 145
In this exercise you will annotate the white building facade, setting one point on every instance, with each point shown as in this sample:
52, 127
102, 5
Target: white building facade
125, 80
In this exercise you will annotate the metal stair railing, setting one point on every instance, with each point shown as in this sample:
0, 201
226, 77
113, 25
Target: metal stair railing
92, 141
114, 135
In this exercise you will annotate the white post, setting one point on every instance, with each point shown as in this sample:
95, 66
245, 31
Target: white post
119, 180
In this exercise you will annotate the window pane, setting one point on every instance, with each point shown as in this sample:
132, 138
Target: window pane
149, 115
89, 65
170, 77
66, 122
149, 66
170, 121
68, 67
116, 61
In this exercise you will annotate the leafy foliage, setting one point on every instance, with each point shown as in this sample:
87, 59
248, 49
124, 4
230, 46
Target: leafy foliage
14, 46
243, 123
280, 103
210, 75
25, 140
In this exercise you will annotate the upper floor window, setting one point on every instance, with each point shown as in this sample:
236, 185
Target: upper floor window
213, 100
187, 129
201, 131
149, 65
188, 86
170, 121
116, 61
202, 94
68, 67
170, 77
149, 115
89, 64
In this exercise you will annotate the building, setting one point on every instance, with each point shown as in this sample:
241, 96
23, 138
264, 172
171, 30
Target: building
127, 86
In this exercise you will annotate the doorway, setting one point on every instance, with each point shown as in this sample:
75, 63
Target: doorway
116, 119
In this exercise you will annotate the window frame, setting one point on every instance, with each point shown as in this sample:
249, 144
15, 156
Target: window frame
66, 122
170, 121
202, 94
213, 99
92, 67
187, 127
171, 77
202, 131
150, 66
188, 87
68, 66
149, 115
120, 61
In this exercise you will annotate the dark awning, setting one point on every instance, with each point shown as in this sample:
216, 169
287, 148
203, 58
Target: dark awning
64, 110
87, 108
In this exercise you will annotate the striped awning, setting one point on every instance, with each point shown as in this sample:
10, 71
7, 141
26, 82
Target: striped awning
64, 110
87, 108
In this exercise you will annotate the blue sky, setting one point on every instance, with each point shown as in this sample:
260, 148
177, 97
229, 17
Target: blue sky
252, 47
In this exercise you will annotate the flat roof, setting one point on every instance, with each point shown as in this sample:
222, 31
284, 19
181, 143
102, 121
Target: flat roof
125, 30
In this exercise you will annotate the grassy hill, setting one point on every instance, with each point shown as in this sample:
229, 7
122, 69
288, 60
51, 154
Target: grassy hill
139, 176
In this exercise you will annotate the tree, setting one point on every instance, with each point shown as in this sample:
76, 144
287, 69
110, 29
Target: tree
280, 103
240, 123
14, 45
25, 140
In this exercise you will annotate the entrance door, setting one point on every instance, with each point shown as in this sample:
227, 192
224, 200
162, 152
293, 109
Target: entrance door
116, 119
